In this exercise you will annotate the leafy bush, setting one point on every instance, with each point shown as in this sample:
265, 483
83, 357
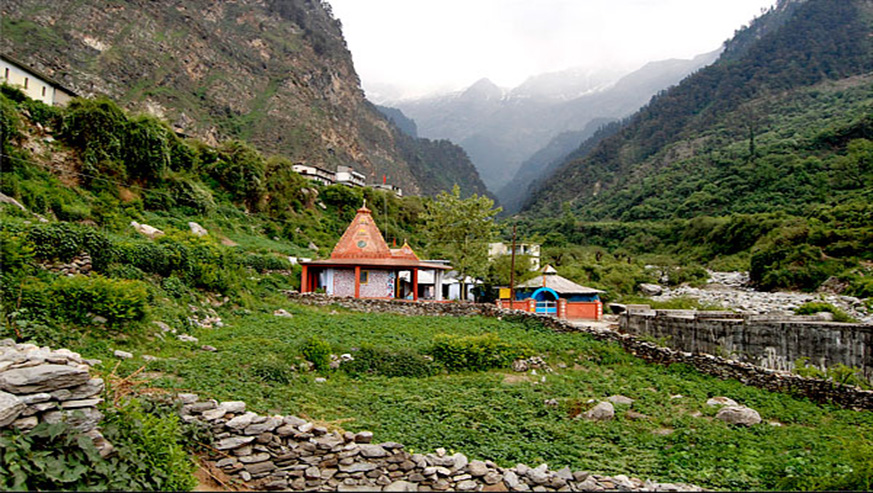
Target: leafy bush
15, 252
814, 307
63, 241
151, 447
317, 351
475, 353
377, 361
9, 122
54, 457
78, 298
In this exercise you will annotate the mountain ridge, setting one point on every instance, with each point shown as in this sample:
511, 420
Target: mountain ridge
276, 73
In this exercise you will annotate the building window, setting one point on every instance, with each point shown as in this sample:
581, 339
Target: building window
26, 81
365, 276
43, 91
6, 73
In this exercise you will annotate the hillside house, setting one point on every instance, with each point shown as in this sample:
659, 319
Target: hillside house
531, 250
35, 85
349, 177
363, 266
315, 173
551, 294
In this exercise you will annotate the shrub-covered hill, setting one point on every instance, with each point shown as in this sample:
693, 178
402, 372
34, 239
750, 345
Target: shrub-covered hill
74, 179
766, 128
762, 161
276, 74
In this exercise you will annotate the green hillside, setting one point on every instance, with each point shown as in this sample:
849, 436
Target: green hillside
781, 124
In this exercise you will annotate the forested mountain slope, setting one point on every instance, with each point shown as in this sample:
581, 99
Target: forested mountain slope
781, 122
275, 73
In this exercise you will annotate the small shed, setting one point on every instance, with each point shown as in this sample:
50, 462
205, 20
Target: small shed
551, 294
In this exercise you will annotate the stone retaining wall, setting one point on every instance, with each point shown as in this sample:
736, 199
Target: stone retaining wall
770, 342
749, 374
290, 453
40, 385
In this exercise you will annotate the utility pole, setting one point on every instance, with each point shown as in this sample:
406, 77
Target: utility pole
512, 271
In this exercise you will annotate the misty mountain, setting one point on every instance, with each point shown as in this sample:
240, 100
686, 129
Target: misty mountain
500, 128
779, 123
274, 73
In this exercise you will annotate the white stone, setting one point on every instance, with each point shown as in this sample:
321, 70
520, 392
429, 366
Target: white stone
739, 415
197, 229
721, 401
10, 408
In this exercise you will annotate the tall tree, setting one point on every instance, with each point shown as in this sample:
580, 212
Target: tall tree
460, 229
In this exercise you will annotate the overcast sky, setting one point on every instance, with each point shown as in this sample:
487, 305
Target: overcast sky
423, 46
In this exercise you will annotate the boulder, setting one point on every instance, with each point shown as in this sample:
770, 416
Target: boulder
603, 411
650, 289
145, 229
721, 401
739, 415
197, 229
620, 399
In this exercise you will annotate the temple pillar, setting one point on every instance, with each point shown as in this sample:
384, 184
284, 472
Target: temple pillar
304, 280
357, 281
414, 284
438, 285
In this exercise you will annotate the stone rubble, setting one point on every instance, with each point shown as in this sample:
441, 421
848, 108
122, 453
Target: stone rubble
731, 290
290, 453
78, 265
38, 385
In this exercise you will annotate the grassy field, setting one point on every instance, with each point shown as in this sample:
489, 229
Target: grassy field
502, 415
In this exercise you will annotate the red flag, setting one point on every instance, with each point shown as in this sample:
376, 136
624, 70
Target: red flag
384, 179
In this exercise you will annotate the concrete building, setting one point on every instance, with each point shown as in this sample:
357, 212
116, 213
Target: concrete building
348, 176
532, 250
35, 85
315, 173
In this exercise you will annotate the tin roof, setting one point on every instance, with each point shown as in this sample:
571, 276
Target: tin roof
561, 285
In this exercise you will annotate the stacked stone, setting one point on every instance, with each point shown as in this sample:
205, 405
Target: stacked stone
40, 385
290, 453
80, 264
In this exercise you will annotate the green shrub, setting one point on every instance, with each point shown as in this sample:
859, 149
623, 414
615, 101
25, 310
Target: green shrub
9, 123
813, 307
475, 353
54, 457
151, 446
15, 252
79, 298
317, 351
272, 369
63, 241
377, 361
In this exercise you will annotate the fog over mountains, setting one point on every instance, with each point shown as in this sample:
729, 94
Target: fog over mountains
502, 129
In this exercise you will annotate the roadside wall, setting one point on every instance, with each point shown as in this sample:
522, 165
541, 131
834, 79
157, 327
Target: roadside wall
724, 368
769, 342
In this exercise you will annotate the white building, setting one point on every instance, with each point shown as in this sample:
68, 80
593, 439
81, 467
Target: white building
34, 84
315, 173
530, 249
348, 176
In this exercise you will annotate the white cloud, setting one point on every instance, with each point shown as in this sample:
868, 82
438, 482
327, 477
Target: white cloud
422, 46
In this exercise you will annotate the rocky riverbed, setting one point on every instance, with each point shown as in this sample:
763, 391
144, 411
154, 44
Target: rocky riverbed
731, 290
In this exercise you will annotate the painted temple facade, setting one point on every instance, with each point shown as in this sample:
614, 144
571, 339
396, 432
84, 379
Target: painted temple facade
551, 294
362, 265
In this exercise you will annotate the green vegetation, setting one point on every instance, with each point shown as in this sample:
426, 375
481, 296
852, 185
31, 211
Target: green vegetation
814, 307
149, 455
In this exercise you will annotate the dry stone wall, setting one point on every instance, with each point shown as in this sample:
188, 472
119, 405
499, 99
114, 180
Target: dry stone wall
290, 453
724, 368
38, 385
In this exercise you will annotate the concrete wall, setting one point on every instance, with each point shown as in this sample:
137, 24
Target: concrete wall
775, 343
34, 86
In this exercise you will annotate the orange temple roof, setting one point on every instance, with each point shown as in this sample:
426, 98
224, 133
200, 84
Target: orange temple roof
362, 244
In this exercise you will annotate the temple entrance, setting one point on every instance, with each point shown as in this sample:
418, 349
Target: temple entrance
547, 301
